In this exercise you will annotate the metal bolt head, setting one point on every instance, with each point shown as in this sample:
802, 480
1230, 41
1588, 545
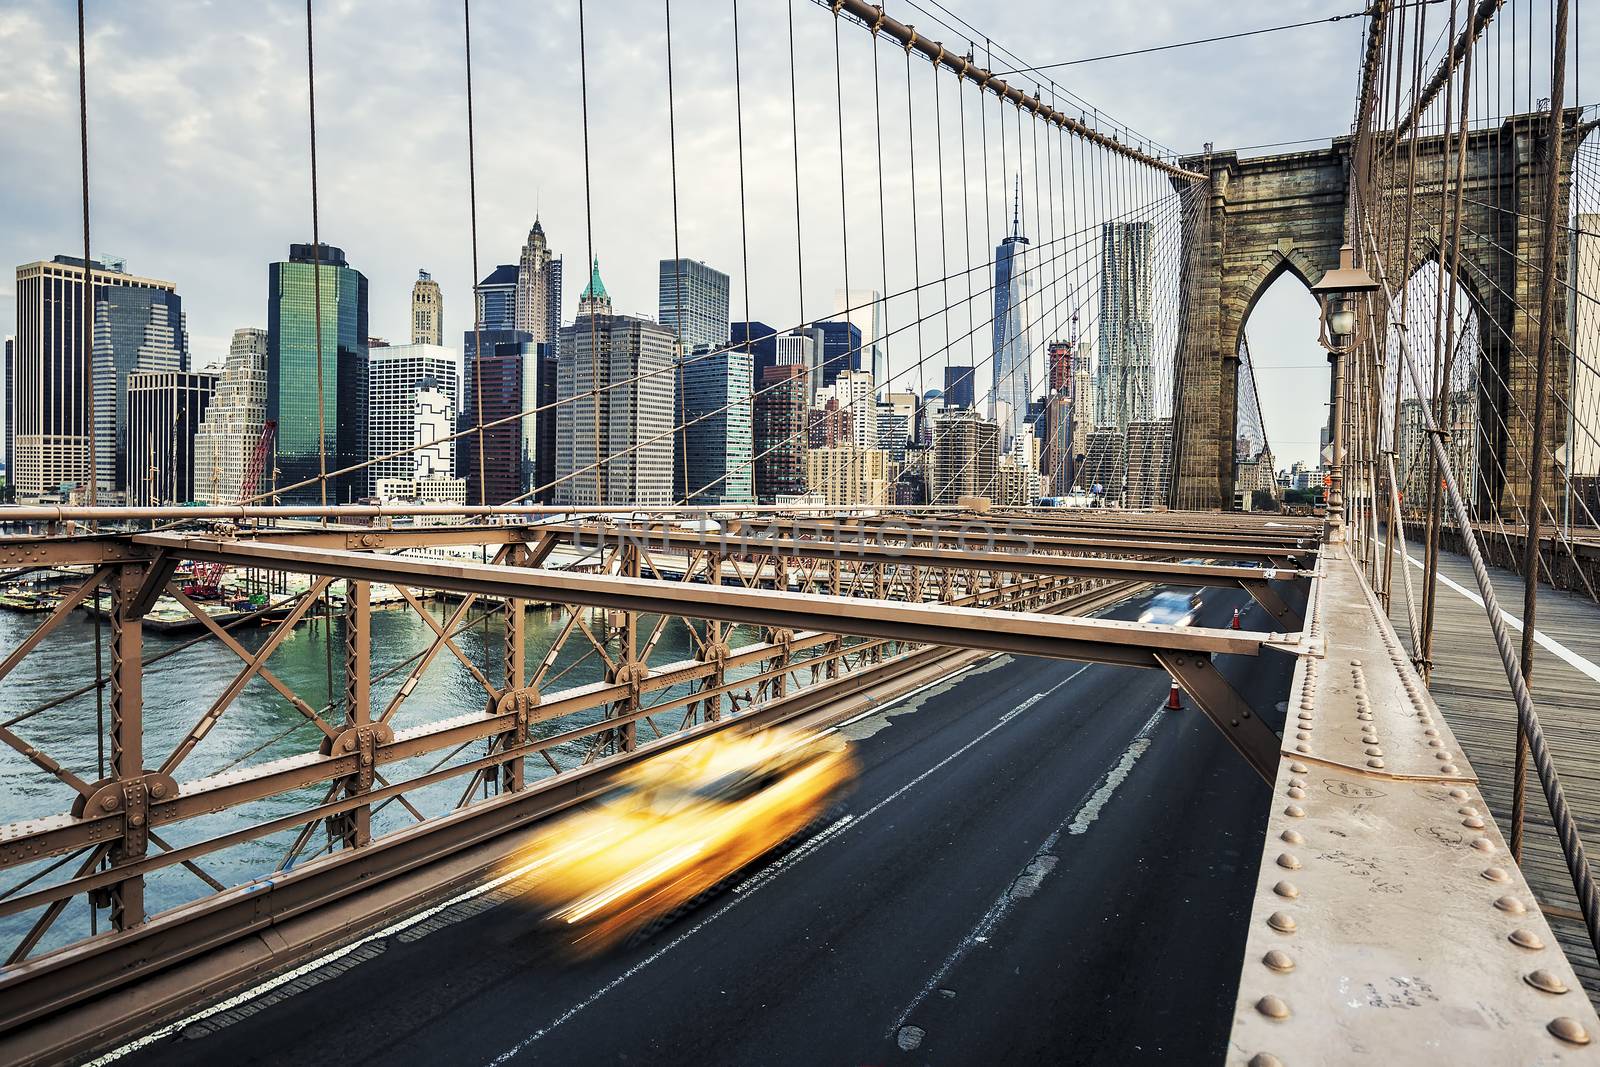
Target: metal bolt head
1511, 905
1447, 768
1287, 890
1278, 960
1483, 844
1496, 874
1545, 982
1272, 1007
1282, 922
1525, 939
108, 802
1459, 794
158, 789
1568, 1030
1472, 822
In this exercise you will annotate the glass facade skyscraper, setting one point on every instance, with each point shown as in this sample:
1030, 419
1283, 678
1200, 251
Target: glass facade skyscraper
715, 411
292, 388
841, 350
1011, 387
136, 328
497, 299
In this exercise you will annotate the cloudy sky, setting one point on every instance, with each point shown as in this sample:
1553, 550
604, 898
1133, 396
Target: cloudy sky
200, 167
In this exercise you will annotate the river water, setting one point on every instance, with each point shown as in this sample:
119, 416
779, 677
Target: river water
261, 726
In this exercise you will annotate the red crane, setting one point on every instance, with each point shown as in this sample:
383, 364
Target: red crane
206, 578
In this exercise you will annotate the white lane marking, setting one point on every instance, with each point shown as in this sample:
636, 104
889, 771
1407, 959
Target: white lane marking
1038, 867
1549, 643
922, 694
745, 890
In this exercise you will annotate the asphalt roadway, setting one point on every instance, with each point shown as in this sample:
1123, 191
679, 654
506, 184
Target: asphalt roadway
1038, 864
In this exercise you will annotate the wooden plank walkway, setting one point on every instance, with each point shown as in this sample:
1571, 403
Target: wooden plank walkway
1469, 684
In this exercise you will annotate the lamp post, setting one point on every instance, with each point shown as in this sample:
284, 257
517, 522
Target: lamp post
1337, 335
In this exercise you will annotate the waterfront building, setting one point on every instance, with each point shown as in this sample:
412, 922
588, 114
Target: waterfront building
516, 379
164, 410
396, 375
327, 417
225, 442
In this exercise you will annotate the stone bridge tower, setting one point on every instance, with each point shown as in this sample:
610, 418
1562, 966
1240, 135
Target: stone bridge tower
1265, 215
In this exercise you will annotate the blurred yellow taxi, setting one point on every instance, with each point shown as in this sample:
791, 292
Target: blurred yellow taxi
676, 825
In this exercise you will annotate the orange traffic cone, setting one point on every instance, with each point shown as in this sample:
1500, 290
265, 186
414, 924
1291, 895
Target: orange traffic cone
1174, 701
1236, 625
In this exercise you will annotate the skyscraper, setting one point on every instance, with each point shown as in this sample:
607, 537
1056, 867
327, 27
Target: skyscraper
1123, 393
516, 380
863, 309
226, 441
1060, 357
49, 389
615, 378
164, 409
395, 375
693, 301
1010, 384
846, 475
959, 391
537, 308
855, 393
314, 417
1056, 458
760, 340
427, 311
966, 454
841, 350
780, 432
715, 415
496, 299
11, 411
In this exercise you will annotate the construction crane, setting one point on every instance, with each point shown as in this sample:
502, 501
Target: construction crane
206, 578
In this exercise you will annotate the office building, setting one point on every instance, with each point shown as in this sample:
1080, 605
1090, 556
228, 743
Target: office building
894, 432
497, 299
715, 446
11, 412
864, 309
226, 468
1124, 392
1083, 406
427, 311
854, 391
801, 348
1056, 458
958, 387
1016, 484
327, 418
1011, 385
760, 340
516, 379
966, 455
840, 350
537, 308
829, 423
164, 410
781, 408
632, 403
1149, 463
1059, 356
428, 472
932, 407
49, 423
846, 475
693, 302
396, 375
1101, 472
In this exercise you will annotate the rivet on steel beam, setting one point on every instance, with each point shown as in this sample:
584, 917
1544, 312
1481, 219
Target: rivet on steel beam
1282, 922
1374, 750
1447, 768
1545, 982
1569, 1030
1295, 811
1287, 890
1375, 763
1496, 874
1298, 783
1511, 905
1459, 794
1298, 768
1434, 742
1483, 844
1302, 748
1289, 862
1266, 1059
1296, 793
1272, 1007
1466, 809
1278, 960
1300, 735
1472, 822
1445, 756
1432, 731
1292, 837
1525, 939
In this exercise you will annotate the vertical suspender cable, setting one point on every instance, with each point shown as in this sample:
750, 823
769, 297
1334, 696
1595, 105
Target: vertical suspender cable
477, 310
316, 264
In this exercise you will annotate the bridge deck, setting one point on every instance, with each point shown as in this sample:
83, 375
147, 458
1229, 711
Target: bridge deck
1470, 685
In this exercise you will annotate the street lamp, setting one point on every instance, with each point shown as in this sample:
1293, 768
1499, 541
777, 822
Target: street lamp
1337, 335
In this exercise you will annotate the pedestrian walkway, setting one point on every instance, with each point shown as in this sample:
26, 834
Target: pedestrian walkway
1469, 684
